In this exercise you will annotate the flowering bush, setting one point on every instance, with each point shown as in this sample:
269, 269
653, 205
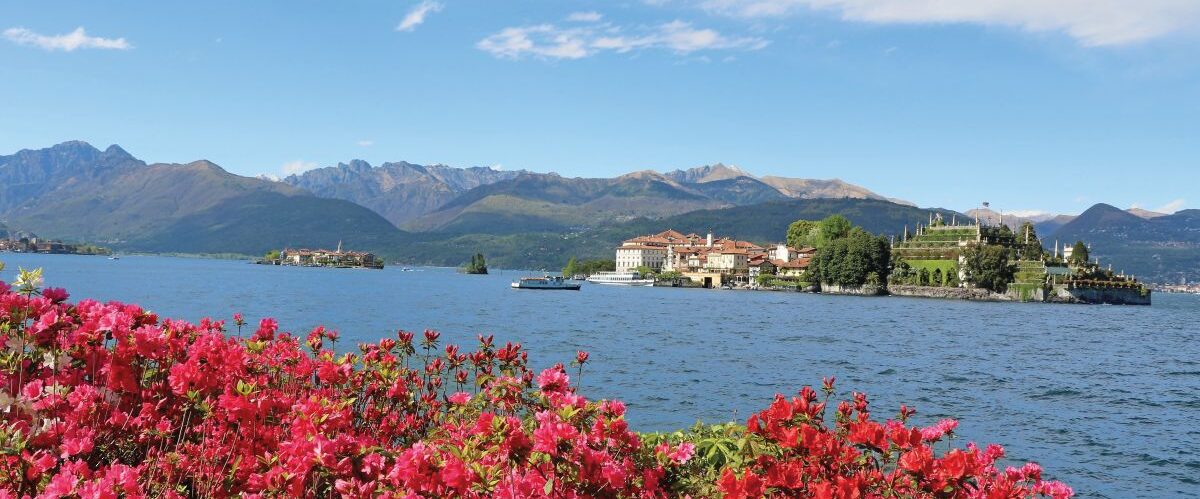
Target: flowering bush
108, 400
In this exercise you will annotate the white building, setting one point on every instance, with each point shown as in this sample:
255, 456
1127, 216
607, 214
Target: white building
632, 256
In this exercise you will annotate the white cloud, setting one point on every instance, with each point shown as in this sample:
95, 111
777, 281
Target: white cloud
69, 42
548, 41
585, 17
417, 15
365, 143
1090, 22
297, 167
1171, 207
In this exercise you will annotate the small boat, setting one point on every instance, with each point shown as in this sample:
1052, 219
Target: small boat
546, 282
114, 257
620, 279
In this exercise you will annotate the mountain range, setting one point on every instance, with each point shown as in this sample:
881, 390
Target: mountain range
73, 191
439, 214
445, 199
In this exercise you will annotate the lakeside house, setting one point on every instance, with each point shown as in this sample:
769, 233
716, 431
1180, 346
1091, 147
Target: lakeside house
711, 261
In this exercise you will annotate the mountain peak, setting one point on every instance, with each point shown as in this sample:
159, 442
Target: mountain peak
74, 145
707, 173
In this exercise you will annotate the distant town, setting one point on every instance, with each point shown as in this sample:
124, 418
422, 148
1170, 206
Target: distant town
45, 246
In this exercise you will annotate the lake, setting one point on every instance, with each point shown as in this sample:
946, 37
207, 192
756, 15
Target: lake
1106, 398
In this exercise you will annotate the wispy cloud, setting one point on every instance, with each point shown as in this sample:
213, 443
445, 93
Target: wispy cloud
585, 17
365, 143
68, 42
548, 41
1171, 207
297, 167
417, 15
1091, 22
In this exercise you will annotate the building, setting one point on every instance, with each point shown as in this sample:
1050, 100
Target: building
632, 256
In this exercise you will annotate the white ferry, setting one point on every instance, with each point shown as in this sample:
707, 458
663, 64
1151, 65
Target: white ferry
547, 282
620, 279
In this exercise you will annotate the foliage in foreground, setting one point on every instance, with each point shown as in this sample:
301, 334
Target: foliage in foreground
107, 400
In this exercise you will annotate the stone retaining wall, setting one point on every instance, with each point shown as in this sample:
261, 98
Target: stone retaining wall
947, 293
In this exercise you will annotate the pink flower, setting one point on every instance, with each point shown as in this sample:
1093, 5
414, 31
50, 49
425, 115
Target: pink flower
553, 380
460, 398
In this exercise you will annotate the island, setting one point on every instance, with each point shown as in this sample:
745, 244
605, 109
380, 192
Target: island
339, 258
477, 266
941, 259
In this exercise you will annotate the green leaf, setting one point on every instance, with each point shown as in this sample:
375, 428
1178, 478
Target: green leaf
549, 486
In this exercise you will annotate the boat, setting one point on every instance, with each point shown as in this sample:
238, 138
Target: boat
546, 282
114, 257
620, 279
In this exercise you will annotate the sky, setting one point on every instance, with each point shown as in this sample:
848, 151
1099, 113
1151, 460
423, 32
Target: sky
1028, 104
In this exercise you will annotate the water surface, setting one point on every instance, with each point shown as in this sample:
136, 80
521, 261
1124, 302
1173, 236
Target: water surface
1106, 398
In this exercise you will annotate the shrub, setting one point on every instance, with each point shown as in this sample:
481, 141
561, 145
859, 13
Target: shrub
108, 400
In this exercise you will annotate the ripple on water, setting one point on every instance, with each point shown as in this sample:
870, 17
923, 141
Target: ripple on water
1105, 398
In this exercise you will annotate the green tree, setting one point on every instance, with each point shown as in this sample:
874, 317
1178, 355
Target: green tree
989, 267
923, 277
935, 279
478, 265
589, 267
571, 269
645, 270
1031, 246
1079, 253
803, 233
271, 255
849, 260
835, 227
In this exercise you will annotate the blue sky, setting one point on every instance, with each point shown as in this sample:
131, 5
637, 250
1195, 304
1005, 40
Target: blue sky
1028, 104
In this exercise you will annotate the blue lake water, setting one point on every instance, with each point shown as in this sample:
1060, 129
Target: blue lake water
1106, 398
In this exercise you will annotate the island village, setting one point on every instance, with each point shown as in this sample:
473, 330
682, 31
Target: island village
939, 259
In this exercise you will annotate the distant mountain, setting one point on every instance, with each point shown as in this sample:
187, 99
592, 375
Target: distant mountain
31, 174
763, 223
75, 192
541, 201
1159, 249
1050, 225
800, 188
443, 198
1146, 214
707, 173
402, 191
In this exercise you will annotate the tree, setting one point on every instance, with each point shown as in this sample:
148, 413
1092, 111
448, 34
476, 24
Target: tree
645, 270
1079, 253
1031, 247
835, 227
478, 265
848, 261
923, 277
989, 267
952, 278
571, 269
935, 279
271, 255
803, 233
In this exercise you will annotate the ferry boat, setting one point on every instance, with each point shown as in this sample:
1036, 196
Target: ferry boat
620, 279
546, 282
